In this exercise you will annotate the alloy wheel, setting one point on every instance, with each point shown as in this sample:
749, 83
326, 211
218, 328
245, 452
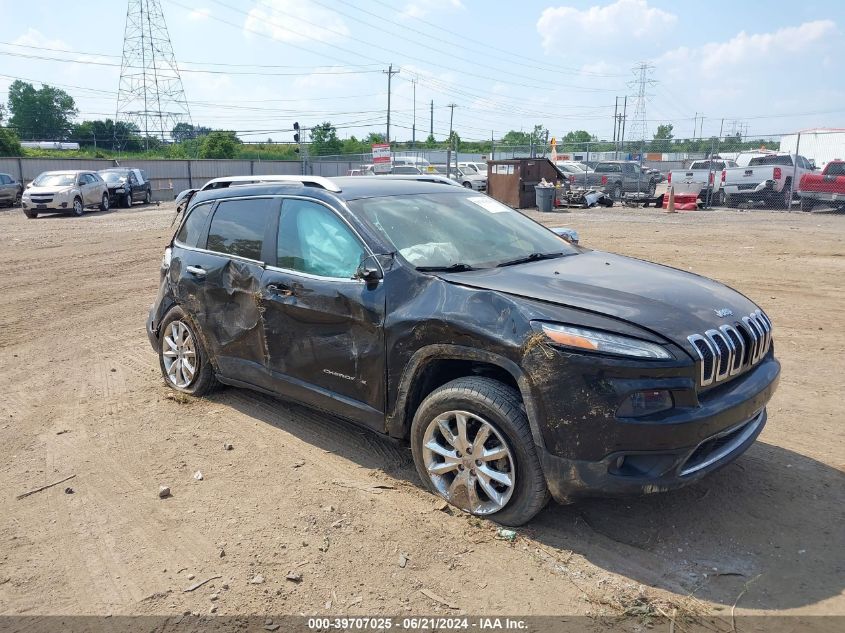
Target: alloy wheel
469, 462
179, 355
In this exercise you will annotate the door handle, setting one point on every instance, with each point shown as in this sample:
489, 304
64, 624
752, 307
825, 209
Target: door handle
197, 271
284, 291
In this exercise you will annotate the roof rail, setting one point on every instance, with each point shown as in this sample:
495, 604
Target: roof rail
320, 181
436, 178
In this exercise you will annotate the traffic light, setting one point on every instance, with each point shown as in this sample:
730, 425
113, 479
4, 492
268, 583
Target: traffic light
296, 138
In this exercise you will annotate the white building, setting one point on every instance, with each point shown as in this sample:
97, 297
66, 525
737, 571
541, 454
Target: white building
821, 145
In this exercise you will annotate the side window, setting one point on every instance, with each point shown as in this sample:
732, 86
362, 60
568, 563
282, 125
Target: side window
189, 234
312, 239
132, 179
4, 179
237, 227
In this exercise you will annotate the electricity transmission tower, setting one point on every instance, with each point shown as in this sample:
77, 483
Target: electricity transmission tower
641, 82
150, 95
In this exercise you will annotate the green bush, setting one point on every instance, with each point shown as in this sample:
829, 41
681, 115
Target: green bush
10, 144
219, 144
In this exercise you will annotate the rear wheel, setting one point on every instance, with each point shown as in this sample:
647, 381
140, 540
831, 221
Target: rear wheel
182, 357
148, 197
807, 204
721, 199
104, 203
126, 202
472, 446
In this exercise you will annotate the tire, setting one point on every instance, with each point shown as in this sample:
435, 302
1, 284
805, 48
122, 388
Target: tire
126, 201
721, 199
652, 188
785, 199
202, 381
148, 197
104, 203
807, 204
30, 214
730, 201
17, 201
78, 208
467, 184
617, 192
481, 402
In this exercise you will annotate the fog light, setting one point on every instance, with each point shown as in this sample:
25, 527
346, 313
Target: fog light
642, 403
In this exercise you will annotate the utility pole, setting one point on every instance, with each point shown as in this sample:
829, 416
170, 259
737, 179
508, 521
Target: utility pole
615, 120
389, 72
721, 127
414, 127
431, 128
492, 145
452, 107
694, 125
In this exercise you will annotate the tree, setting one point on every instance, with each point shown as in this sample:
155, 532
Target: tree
324, 140
219, 144
430, 142
2, 113
374, 138
454, 141
184, 131
10, 144
44, 113
662, 141
106, 134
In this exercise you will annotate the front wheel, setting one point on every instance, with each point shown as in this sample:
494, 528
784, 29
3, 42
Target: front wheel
127, 201
78, 209
104, 203
183, 359
807, 204
30, 214
468, 185
472, 446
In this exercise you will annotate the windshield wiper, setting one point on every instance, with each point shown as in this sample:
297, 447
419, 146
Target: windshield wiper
533, 257
452, 268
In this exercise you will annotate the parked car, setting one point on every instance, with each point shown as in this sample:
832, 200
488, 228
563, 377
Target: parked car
440, 316
766, 177
412, 161
828, 187
10, 191
405, 169
474, 167
466, 178
127, 186
65, 192
708, 174
617, 177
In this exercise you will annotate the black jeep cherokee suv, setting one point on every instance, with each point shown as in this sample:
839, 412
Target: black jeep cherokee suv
516, 364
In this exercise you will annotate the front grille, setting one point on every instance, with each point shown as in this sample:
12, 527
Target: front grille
720, 446
731, 349
41, 199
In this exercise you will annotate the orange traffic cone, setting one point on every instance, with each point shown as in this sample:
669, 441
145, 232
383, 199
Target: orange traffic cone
671, 206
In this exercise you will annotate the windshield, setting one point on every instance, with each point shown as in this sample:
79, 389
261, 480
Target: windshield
55, 180
113, 176
470, 168
439, 230
835, 169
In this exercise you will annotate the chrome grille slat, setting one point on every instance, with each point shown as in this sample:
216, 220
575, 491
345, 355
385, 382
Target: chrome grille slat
732, 348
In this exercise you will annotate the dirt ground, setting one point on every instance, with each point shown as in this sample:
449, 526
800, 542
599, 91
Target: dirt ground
304, 494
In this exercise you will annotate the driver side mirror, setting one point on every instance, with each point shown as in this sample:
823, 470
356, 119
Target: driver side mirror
80, 182
369, 271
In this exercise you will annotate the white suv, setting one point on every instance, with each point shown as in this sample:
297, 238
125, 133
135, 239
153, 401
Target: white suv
65, 192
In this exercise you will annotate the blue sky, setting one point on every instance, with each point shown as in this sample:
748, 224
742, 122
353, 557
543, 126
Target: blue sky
776, 66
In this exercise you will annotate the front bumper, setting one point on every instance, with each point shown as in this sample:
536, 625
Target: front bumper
645, 457
49, 207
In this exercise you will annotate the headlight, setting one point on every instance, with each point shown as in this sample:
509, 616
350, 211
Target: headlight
603, 342
119, 189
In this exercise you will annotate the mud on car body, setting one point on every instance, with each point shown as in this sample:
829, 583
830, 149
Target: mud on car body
517, 364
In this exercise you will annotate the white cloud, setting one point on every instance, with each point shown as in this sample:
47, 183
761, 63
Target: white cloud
295, 21
421, 9
599, 24
199, 14
36, 39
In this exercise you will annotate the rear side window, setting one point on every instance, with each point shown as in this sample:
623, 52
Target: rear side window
4, 179
189, 234
237, 227
771, 160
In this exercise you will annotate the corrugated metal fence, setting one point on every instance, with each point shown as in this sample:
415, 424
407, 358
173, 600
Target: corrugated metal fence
169, 177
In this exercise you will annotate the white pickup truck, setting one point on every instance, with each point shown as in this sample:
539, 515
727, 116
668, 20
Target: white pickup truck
707, 174
766, 177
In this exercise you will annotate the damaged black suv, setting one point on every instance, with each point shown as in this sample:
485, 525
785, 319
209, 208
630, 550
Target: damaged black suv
516, 364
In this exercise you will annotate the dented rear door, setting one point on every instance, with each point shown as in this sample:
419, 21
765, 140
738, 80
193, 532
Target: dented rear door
218, 283
323, 326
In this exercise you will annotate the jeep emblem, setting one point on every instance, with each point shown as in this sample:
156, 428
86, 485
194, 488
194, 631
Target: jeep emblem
724, 312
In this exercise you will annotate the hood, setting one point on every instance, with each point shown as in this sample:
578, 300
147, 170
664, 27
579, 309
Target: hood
49, 190
667, 301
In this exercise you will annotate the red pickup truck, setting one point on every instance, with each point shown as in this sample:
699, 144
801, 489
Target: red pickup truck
827, 187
